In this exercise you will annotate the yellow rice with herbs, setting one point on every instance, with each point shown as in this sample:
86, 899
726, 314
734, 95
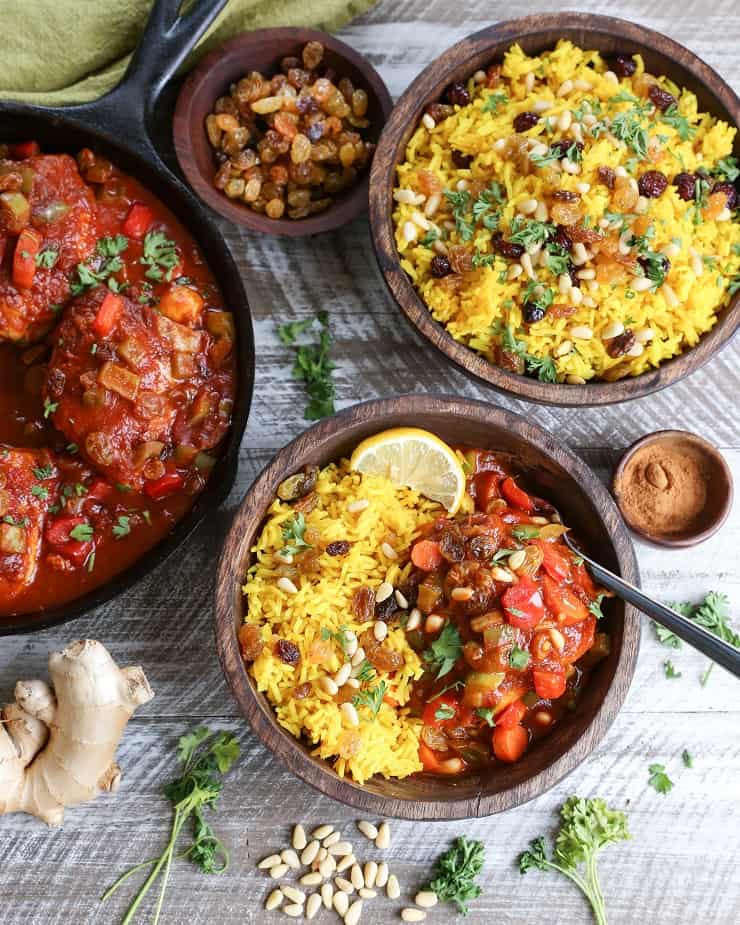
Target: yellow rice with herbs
316, 615
470, 175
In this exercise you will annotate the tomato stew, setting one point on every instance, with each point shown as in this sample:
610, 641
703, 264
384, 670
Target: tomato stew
117, 374
508, 624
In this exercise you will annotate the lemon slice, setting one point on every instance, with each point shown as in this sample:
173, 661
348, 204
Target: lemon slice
413, 457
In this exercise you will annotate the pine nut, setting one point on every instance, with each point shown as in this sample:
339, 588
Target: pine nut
565, 283
356, 876
344, 885
286, 585
644, 335
367, 893
347, 861
640, 283
420, 221
593, 286
313, 904
575, 295
309, 853
323, 853
724, 216
580, 254
382, 878
502, 574
290, 858
292, 892
367, 829
414, 621
586, 274
526, 262
354, 507
383, 839
278, 871
516, 559
268, 862
285, 557
541, 213
538, 149
697, 266
461, 185
293, 911
636, 350
565, 88
428, 122
564, 120
529, 82
526, 206
539, 520
312, 879
322, 831
611, 77
335, 836
671, 250
462, 594
612, 330
380, 630
439, 247
327, 894
562, 349
340, 678
620, 171
409, 914
575, 380
543, 717
623, 245
405, 196
583, 187
434, 623
350, 714
581, 332
383, 592
401, 600
299, 837
341, 902
274, 900
669, 295
328, 686
358, 658
499, 145
410, 232
432, 204
604, 223
327, 867
388, 551
393, 890
540, 106
354, 683
589, 119
354, 912
569, 166
479, 77
350, 647
642, 205
370, 872
515, 270
419, 198
426, 899
341, 849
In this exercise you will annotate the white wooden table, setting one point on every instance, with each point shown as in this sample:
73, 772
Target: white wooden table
682, 864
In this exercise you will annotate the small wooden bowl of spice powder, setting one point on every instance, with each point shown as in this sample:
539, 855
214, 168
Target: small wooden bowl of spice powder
673, 488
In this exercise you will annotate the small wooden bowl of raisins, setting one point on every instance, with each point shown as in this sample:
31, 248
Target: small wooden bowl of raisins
276, 129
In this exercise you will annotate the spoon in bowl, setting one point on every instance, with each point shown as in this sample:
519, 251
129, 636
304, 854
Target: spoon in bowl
707, 643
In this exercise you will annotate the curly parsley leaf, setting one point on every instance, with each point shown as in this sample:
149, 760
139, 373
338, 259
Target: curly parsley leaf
372, 698
460, 201
82, 533
669, 669
292, 532
493, 101
122, 527
159, 255
673, 117
659, 780
47, 257
687, 758
455, 871
446, 649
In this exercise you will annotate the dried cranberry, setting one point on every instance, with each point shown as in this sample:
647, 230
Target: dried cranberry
338, 548
620, 344
685, 184
658, 261
607, 176
463, 161
525, 120
661, 98
457, 94
384, 610
623, 65
562, 238
729, 190
507, 248
440, 266
287, 652
533, 312
652, 184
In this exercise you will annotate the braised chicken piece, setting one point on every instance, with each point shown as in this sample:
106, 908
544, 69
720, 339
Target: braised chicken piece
47, 227
29, 483
142, 390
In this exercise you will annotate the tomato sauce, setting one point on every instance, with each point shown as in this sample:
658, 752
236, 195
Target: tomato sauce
508, 625
94, 526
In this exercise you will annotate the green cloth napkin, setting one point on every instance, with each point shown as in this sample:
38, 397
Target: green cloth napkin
65, 51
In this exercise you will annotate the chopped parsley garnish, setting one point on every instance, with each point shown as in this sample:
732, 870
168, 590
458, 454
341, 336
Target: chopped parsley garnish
487, 198
293, 531
547, 159
525, 531
372, 698
430, 237
669, 669
446, 649
502, 554
539, 294
47, 257
160, 256
82, 533
713, 614
444, 711
486, 714
595, 607
12, 522
366, 672
726, 167
460, 202
659, 780
103, 266
454, 873
701, 192
681, 124
288, 332
39, 491
556, 259
50, 407
518, 658
313, 365
72, 448
529, 232
483, 260
126, 489
493, 101
123, 527
686, 757
627, 128
45, 472
655, 268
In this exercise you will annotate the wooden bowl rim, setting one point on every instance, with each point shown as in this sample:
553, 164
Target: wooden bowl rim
713, 453
427, 87
237, 49
290, 751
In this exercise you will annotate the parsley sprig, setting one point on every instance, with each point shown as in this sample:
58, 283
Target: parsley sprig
454, 873
371, 697
293, 531
713, 613
446, 649
313, 365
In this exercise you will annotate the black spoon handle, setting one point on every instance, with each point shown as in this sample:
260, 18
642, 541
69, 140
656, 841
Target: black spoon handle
707, 643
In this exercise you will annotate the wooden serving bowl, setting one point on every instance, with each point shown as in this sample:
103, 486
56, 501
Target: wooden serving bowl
536, 34
262, 50
557, 475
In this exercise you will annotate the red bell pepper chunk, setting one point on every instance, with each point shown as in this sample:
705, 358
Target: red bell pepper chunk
554, 563
515, 496
523, 604
22, 149
108, 314
510, 744
24, 259
58, 535
162, 487
565, 604
426, 555
99, 490
138, 220
512, 715
549, 685
486, 489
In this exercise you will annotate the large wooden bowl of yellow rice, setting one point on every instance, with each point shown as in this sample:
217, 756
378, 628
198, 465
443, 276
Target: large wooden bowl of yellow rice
550, 469
554, 206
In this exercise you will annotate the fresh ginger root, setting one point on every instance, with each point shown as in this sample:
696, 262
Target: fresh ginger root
57, 746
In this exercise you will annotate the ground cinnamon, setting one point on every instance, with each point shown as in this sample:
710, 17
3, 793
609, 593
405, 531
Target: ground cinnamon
664, 486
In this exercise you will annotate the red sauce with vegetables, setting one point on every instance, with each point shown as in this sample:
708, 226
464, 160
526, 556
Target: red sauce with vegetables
117, 374
508, 628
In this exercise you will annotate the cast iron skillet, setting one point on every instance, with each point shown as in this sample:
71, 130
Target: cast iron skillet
120, 125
